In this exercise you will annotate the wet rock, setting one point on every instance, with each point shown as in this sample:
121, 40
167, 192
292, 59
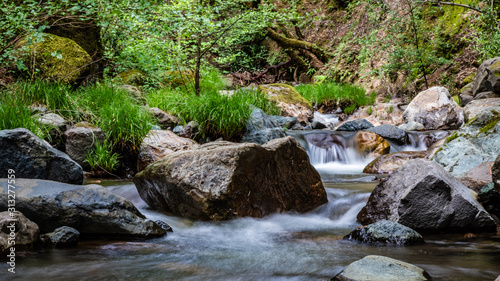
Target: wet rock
261, 128
479, 176
164, 119
318, 125
224, 180
26, 232
30, 157
435, 109
158, 144
164, 226
495, 173
325, 140
475, 143
190, 130
388, 164
385, 232
487, 77
90, 209
62, 237
290, 102
475, 107
490, 199
390, 132
355, 125
81, 140
370, 144
423, 196
380, 268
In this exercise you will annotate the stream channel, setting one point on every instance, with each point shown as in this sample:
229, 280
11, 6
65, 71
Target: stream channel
278, 247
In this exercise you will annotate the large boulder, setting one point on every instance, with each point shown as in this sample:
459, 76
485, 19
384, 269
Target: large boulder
385, 232
434, 109
261, 128
90, 209
423, 196
223, 180
390, 132
81, 140
388, 164
475, 107
290, 102
57, 58
158, 144
380, 268
370, 144
475, 143
355, 125
487, 78
15, 224
30, 157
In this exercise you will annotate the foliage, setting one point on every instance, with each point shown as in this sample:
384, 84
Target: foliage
219, 115
349, 96
102, 157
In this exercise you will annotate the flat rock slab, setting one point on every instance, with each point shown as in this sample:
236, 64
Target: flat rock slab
380, 268
90, 209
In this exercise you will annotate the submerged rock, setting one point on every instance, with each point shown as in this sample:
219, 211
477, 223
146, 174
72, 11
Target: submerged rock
62, 237
380, 268
261, 128
158, 144
290, 102
370, 144
26, 232
30, 157
224, 180
435, 109
388, 164
423, 196
385, 231
355, 125
90, 209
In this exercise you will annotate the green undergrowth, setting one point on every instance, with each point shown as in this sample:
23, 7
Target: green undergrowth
347, 96
218, 115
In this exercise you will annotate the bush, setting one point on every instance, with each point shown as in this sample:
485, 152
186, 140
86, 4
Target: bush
348, 96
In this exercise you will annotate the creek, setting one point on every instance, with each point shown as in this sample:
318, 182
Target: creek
278, 247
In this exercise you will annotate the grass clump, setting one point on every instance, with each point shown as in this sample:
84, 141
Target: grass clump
102, 157
347, 96
218, 115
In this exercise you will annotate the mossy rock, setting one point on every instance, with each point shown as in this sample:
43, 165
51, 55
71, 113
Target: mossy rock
131, 77
57, 58
469, 79
178, 78
284, 93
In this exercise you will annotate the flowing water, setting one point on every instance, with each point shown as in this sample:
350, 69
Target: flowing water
278, 247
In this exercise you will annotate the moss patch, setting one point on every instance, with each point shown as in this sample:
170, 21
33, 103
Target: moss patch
491, 124
284, 93
131, 77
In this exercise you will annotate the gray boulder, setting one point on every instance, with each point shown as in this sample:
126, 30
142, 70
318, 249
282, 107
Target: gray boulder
389, 163
27, 233
51, 120
435, 109
81, 140
90, 209
487, 77
191, 130
385, 232
380, 268
423, 196
285, 122
475, 107
262, 128
164, 119
390, 132
475, 143
355, 125
62, 237
223, 180
30, 157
